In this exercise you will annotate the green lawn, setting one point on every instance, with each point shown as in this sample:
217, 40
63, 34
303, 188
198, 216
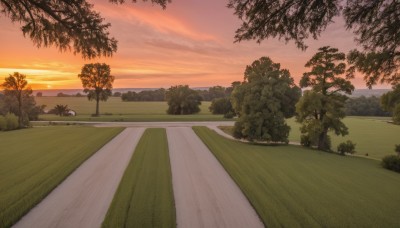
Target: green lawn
375, 137
145, 197
291, 186
34, 161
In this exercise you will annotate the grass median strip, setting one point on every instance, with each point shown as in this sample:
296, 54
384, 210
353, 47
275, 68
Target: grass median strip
34, 161
145, 197
291, 186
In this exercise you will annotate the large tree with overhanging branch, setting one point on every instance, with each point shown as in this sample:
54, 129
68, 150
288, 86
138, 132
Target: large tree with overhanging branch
375, 23
66, 24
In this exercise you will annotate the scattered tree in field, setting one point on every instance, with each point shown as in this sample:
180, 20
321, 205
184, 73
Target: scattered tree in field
64, 24
222, 106
97, 82
16, 86
391, 102
346, 147
321, 109
391, 162
374, 22
182, 100
39, 94
61, 110
263, 100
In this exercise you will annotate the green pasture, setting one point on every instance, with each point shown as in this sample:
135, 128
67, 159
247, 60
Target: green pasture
114, 105
292, 186
145, 197
34, 161
375, 137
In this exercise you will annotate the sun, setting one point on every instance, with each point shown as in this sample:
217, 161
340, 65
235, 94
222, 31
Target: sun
49, 86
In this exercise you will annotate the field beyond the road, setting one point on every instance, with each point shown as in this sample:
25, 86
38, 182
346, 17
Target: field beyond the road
292, 186
145, 197
34, 161
114, 109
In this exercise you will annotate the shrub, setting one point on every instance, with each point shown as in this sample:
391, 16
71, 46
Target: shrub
346, 147
11, 122
3, 123
391, 162
229, 115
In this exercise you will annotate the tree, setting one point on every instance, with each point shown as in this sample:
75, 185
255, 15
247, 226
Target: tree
365, 106
182, 100
16, 86
322, 108
390, 102
65, 24
61, 110
374, 22
97, 82
346, 147
263, 100
39, 94
397, 149
221, 106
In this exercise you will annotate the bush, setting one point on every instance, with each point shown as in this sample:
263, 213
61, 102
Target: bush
8, 122
229, 115
3, 123
346, 147
391, 162
397, 149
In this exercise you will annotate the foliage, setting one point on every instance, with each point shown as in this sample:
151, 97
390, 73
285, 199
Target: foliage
213, 93
117, 94
145, 95
145, 197
182, 100
375, 24
8, 122
391, 162
97, 82
35, 161
266, 97
292, 186
346, 147
221, 106
365, 106
321, 109
39, 94
397, 149
64, 24
17, 95
391, 102
61, 110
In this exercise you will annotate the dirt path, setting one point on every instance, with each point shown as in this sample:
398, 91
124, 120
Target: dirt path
205, 195
82, 200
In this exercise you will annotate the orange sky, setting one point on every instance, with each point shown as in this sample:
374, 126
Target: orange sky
191, 42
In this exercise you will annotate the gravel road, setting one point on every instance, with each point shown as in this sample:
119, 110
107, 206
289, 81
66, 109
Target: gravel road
82, 200
205, 195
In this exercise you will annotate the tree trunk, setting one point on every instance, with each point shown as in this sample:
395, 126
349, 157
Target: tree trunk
97, 105
323, 137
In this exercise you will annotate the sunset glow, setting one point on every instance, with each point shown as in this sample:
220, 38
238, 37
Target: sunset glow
191, 42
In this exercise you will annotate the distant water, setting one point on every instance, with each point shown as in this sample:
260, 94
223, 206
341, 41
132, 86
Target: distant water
54, 92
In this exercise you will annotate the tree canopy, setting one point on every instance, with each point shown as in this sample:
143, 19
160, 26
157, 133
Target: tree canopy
322, 108
375, 23
182, 100
65, 24
97, 82
391, 102
263, 100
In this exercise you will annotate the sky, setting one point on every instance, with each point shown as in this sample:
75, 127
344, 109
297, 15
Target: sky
190, 42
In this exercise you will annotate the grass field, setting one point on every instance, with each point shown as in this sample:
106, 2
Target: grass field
291, 186
34, 161
145, 197
373, 136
